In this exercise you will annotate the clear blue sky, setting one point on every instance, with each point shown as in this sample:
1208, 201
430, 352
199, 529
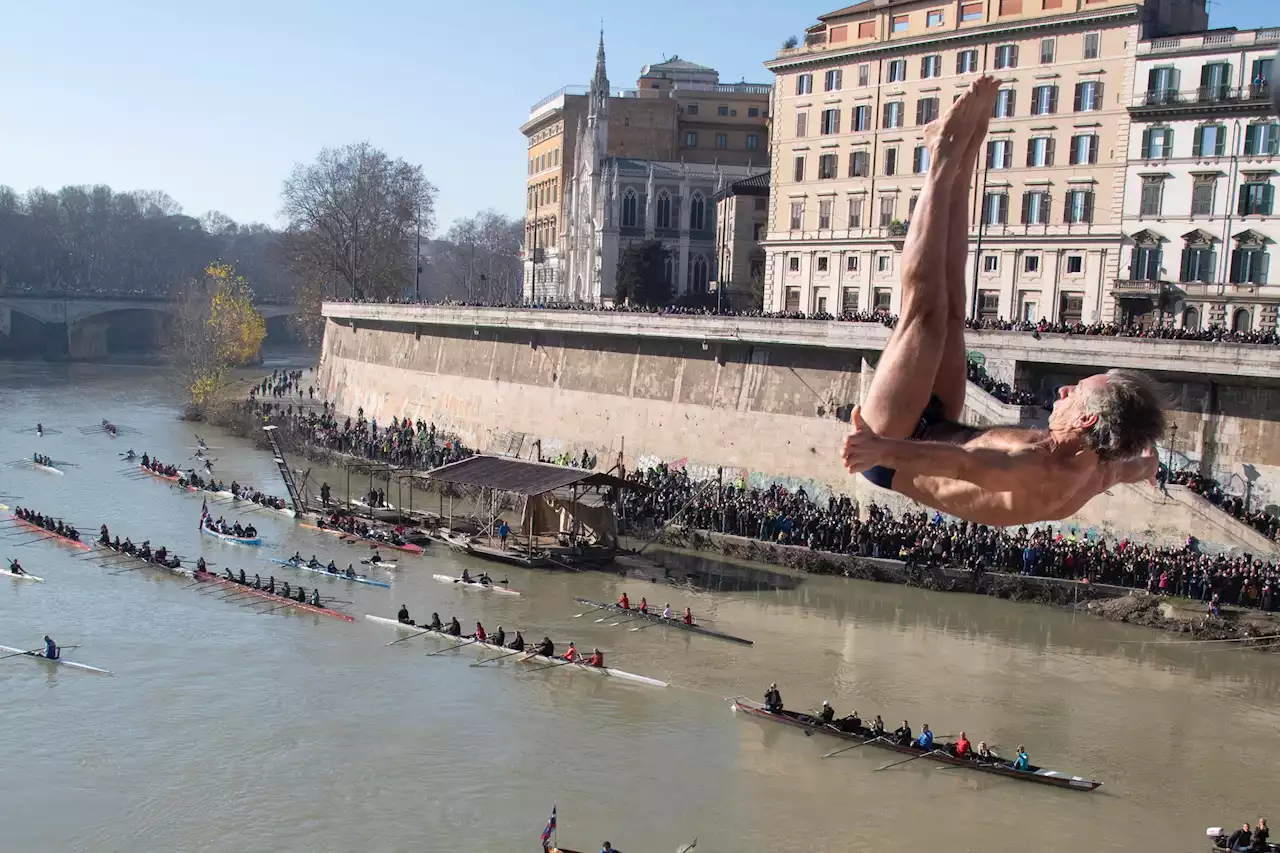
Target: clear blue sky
215, 102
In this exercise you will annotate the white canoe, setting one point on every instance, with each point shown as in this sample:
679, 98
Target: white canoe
60, 661
21, 577
532, 658
475, 584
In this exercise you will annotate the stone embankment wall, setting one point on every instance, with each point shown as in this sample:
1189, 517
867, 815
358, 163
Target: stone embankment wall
740, 406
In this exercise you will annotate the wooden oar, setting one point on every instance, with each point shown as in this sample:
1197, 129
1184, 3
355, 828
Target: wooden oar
499, 657
847, 748
905, 760
451, 648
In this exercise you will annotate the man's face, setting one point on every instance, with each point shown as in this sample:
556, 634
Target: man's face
1069, 408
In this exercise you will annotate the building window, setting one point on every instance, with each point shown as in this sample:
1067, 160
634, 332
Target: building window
1006, 56
1084, 149
698, 274
1162, 86
891, 161
1044, 100
697, 213
931, 66
911, 206
691, 139
1191, 319
855, 213
802, 125
1031, 264
1202, 194
1199, 261
831, 80
851, 265
971, 12
824, 214
861, 118
866, 29
1071, 307
1010, 7
1256, 198
864, 74
926, 111
888, 210
988, 302
829, 122
882, 298
1210, 140
919, 160
1079, 207
753, 112
1242, 320
797, 215
1145, 265
1215, 81
722, 110
792, 303
897, 70
824, 264
1262, 140
859, 164
753, 142
804, 84
1157, 143
692, 109
1092, 45
990, 263
664, 210
1088, 96
934, 18
883, 265
1035, 208
1000, 154
995, 209
793, 264
1152, 196
900, 23
849, 300
1075, 264
1004, 106
1047, 47
799, 171
1249, 264
892, 114
1040, 151
630, 205
827, 166
966, 62
722, 140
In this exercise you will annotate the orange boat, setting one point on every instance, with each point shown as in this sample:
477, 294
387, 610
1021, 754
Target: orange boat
62, 540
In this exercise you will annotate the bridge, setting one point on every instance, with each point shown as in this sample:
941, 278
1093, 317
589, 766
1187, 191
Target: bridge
83, 326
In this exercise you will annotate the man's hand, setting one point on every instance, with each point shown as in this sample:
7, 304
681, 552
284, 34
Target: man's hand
862, 447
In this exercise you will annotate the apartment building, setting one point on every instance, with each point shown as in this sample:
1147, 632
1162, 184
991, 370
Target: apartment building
679, 113
850, 105
1200, 223
742, 220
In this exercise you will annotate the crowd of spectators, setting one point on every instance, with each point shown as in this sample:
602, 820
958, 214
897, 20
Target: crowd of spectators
776, 514
1266, 523
1002, 391
1212, 334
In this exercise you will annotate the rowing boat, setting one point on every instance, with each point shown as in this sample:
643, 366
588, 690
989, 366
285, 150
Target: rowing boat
227, 495
59, 661
227, 537
46, 468
528, 656
475, 584
999, 768
379, 564
407, 547
22, 577
146, 561
172, 478
339, 575
658, 618
271, 596
76, 543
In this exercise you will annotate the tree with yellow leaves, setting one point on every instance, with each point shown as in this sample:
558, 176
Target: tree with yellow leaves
216, 330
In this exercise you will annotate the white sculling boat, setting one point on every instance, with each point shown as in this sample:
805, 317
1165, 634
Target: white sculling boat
47, 468
527, 656
475, 584
322, 570
379, 564
60, 661
21, 577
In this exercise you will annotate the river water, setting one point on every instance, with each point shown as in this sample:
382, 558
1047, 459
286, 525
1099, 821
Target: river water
224, 729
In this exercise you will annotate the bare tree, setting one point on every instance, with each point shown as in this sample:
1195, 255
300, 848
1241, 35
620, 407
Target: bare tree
479, 259
353, 216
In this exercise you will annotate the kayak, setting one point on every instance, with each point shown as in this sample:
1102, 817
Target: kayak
323, 571
23, 577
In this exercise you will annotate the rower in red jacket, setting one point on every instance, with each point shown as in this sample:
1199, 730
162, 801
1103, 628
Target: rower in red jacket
480, 636
963, 747
570, 654
688, 616
596, 659
644, 604
624, 602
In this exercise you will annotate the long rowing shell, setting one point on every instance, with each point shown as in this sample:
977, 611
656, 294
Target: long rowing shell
670, 623
48, 469
475, 584
227, 537
75, 543
336, 575
172, 478
271, 596
58, 661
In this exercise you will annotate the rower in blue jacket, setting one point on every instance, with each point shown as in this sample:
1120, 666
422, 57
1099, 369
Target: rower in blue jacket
1022, 762
925, 741
51, 650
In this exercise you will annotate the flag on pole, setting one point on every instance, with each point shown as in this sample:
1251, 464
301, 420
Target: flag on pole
204, 512
551, 827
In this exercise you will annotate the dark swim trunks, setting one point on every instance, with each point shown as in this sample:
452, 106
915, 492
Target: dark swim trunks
933, 426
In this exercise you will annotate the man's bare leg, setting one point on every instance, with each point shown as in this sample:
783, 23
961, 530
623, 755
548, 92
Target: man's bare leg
903, 382
950, 383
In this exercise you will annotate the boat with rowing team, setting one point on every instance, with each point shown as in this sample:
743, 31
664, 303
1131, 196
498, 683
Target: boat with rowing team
903, 741
332, 570
481, 581
666, 617
16, 572
51, 654
542, 652
46, 525
220, 529
160, 557
156, 468
285, 595
348, 526
44, 463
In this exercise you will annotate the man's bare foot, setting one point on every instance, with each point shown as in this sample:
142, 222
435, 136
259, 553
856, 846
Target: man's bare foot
948, 138
985, 104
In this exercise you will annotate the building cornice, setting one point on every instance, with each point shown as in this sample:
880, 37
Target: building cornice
976, 35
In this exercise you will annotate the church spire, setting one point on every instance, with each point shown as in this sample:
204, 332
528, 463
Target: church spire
599, 90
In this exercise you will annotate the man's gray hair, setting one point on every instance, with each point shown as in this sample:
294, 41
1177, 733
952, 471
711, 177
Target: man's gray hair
1130, 412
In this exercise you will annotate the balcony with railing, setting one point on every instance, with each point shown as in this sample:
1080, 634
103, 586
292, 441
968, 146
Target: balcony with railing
724, 88
1211, 41
1139, 287
1256, 96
